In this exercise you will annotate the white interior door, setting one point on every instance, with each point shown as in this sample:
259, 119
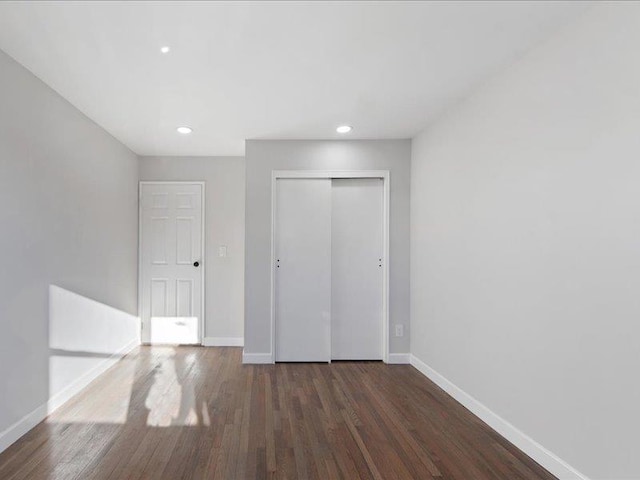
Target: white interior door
171, 262
357, 232
303, 270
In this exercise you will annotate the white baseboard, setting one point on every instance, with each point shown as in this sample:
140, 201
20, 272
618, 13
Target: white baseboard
223, 342
537, 452
80, 383
22, 426
26, 423
399, 358
265, 358
256, 358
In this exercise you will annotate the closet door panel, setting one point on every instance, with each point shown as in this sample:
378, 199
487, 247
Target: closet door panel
357, 213
303, 270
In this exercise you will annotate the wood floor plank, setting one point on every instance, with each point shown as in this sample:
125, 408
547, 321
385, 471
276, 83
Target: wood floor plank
198, 413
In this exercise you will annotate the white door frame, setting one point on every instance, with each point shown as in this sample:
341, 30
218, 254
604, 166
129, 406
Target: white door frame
382, 174
203, 262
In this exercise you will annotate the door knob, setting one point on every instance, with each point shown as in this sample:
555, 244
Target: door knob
196, 264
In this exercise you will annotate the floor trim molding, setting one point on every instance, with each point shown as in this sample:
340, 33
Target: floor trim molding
13, 433
223, 342
399, 358
21, 427
537, 452
256, 358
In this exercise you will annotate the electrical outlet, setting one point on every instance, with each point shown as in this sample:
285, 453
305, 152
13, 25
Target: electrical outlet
399, 331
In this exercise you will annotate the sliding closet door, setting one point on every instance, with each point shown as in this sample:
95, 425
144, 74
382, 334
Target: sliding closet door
357, 272
303, 270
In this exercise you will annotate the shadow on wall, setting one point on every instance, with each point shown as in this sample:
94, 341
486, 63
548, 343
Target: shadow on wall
86, 337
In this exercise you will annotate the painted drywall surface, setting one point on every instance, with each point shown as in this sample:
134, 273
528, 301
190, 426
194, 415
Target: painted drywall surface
525, 235
84, 335
264, 156
224, 226
68, 210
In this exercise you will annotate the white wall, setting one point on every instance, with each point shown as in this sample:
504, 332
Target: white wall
85, 338
224, 224
264, 156
525, 244
68, 211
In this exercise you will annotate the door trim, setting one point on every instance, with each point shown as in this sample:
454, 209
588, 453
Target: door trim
384, 176
203, 262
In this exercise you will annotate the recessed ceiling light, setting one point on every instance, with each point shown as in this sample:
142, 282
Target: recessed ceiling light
165, 49
184, 130
344, 129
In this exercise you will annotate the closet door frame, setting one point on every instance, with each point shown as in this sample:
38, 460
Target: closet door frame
330, 174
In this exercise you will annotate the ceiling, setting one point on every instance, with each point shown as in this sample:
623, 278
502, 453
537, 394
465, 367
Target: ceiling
239, 70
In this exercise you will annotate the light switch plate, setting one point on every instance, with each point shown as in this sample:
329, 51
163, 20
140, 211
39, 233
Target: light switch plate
222, 251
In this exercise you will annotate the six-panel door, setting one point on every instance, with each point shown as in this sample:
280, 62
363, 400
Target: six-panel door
171, 257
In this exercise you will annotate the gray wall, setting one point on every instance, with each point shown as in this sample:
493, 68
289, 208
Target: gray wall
525, 244
68, 211
264, 156
224, 225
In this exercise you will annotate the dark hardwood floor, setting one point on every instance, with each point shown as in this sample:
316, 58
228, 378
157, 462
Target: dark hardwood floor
196, 413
